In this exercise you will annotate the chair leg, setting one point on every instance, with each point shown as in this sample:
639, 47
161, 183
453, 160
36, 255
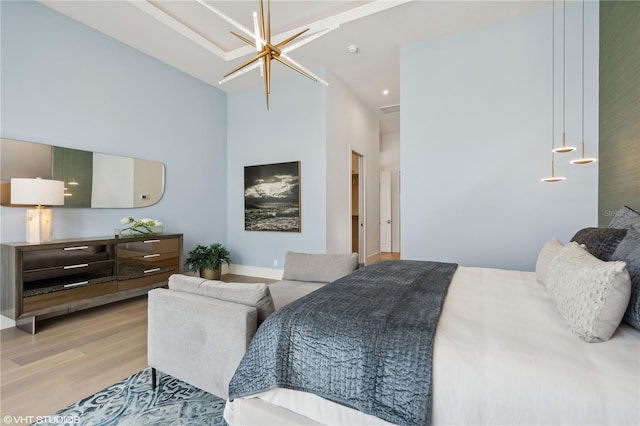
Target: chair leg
153, 378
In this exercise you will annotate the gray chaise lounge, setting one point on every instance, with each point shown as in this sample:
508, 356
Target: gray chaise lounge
199, 329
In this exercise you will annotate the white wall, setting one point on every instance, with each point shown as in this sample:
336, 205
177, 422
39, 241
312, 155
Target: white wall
390, 151
351, 126
476, 139
292, 130
390, 161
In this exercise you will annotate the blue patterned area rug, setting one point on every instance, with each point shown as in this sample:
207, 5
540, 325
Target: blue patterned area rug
132, 402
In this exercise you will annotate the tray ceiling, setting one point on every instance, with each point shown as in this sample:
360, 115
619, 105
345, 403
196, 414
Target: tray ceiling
191, 38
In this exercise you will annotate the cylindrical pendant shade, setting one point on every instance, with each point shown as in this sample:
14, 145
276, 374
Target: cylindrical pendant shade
37, 192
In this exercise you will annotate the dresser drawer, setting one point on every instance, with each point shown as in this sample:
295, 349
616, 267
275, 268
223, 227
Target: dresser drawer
148, 246
65, 256
41, 301
153, 258
136, 267
69, 273
159, 278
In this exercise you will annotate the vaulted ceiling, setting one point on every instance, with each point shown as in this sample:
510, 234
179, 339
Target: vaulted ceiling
188, 36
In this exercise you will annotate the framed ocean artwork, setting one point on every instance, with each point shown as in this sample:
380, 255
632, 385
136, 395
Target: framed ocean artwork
272, 197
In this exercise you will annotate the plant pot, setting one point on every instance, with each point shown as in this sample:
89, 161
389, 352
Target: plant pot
210, 274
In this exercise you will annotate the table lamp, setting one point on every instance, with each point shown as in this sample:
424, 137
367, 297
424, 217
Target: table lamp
38, 192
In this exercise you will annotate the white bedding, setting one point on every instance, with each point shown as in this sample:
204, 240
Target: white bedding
502, 356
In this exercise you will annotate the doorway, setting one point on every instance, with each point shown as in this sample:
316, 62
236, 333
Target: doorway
390, 195
357, 206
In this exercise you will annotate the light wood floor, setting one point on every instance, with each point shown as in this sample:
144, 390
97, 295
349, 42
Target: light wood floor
387, 256
71, 357
74, 356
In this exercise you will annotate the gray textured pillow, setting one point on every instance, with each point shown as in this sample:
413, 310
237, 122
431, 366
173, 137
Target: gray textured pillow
591, 295
548, 252
625, 218
256, 295
629, 251
600, 242
321, 268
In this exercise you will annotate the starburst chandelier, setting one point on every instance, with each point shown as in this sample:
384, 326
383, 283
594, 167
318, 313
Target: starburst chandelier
260, 38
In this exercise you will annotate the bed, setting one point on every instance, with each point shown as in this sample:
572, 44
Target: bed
505, 352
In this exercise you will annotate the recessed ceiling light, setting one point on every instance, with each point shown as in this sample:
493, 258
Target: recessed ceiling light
385, 92
352, 48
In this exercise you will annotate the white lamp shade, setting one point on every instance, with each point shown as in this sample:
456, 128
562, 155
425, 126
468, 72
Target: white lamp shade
37, 192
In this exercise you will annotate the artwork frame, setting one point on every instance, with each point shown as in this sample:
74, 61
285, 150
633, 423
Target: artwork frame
272, 197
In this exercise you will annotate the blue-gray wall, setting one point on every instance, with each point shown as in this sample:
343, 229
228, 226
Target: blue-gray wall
470, 193
66, 84
476, 139
294, 129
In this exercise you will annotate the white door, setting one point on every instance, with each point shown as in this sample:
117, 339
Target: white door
385, 212
358, 202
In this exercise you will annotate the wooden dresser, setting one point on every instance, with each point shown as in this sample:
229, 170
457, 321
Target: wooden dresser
62, 276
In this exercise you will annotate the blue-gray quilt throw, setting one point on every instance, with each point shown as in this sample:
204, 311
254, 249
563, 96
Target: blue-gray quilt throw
364, 341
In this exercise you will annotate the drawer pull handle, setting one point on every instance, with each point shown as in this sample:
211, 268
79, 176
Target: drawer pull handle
151, 241
76, 284
76, 248
151, 255
148, 271
79, 265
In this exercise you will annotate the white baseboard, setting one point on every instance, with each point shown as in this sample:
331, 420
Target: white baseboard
6, 322
256, 271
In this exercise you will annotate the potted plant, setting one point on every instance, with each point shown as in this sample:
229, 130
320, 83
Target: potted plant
208, 260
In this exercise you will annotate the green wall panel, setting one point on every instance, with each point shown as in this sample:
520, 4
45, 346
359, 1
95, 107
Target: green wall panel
619, 156
75, 168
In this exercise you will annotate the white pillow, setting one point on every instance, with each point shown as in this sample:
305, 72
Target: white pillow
591, 295
548, 252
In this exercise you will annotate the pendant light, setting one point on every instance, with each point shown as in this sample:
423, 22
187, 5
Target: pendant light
553, 177
583, 159
564, 148
266, 51
73, 181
